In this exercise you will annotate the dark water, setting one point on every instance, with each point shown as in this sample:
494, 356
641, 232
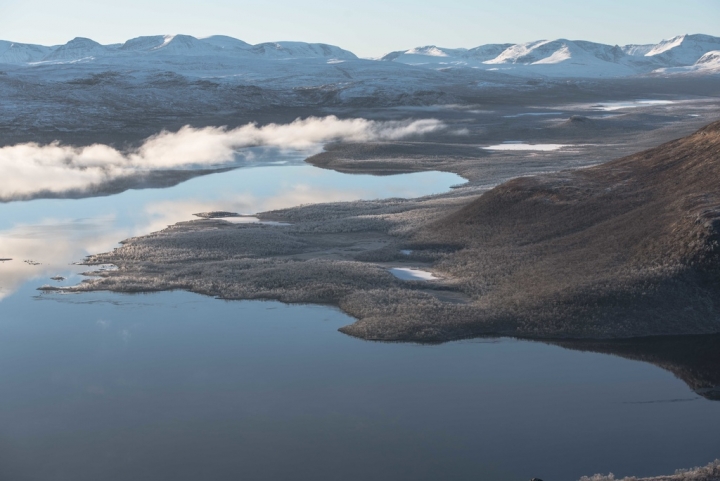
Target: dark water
175, 386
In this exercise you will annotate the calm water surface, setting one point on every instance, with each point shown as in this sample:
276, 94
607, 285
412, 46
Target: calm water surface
176, 386
51, 234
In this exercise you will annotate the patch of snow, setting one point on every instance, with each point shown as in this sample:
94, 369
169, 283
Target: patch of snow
430, 50
146, 43
166, 41
557, 56
522, 146
666, 45
252, 220
411, 274
612, 106
637, 50
531, 114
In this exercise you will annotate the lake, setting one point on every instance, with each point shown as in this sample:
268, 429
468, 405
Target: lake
177, 386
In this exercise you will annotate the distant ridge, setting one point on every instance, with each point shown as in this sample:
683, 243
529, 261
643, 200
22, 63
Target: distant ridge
684, 54
564, 57
81, 48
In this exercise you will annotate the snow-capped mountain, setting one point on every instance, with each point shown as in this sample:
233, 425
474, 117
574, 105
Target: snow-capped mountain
431, 55
683, 50
710, 60
285, 50
20, 53
487, 52
77, 49
707, 64
565, 58
171, 76
550, 58
161, 47
226, 43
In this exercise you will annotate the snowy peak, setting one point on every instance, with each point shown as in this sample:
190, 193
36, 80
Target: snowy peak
226, 43
185, 45
561, 58
637, 50
433, 51
565, 58
708, 64
77, 49
432, 54
170, 45
287, 50
601, 51
544, 52
710, 59
487, 52
684, 49
527, 53
144, 44
666, 45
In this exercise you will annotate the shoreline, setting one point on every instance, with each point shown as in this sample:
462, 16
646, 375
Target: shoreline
340, 254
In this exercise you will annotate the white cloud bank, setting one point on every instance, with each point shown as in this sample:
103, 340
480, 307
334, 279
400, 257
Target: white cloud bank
31, 170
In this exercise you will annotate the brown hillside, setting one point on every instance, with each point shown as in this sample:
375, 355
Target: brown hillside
626, 248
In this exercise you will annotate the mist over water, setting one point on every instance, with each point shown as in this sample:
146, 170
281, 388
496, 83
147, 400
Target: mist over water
33, 170
184, 387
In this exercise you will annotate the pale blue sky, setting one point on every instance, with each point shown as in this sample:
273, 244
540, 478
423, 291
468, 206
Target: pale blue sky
367, 27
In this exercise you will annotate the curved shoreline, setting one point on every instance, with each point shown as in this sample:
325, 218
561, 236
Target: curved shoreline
339, 254
528, 258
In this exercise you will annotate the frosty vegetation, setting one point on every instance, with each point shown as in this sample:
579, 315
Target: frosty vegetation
711, 472
625, 249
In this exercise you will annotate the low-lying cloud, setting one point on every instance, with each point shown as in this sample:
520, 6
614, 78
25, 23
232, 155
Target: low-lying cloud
33, 170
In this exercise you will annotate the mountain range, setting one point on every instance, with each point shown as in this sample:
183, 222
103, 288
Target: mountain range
158, 46
698, 54
573, 58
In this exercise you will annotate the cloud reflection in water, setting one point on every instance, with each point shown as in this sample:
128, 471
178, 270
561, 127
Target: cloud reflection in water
58, 232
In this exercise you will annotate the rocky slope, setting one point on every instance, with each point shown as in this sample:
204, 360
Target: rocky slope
627, 248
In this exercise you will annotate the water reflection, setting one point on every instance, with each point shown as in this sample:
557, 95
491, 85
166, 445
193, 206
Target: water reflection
179, 386
51, 234
693, 359
32, 170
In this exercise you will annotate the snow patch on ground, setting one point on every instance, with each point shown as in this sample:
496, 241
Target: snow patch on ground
252, 220
531, 114
612, 106
521, 146
411, 274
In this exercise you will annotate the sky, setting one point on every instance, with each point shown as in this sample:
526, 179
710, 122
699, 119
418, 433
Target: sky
369, 28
